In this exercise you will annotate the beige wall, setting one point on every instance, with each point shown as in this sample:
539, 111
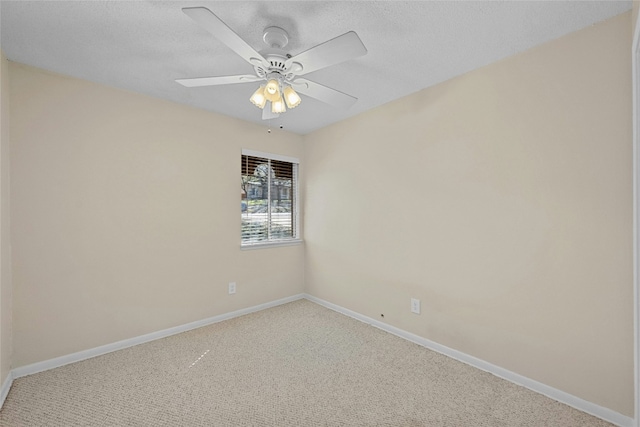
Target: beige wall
125, 216
502, 199
5, 247
634, 15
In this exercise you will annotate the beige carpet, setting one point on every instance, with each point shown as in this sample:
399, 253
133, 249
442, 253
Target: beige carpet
299, 364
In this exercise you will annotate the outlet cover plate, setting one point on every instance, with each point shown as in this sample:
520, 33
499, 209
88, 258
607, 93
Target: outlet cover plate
415, 305
232, 288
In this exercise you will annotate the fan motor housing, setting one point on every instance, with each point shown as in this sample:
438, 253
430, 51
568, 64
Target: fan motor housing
276, 60
276, 39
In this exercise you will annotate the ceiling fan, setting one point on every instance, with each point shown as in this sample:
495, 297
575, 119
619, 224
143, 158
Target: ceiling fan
280, 71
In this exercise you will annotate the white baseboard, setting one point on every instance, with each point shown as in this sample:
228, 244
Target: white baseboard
93, 352
553, 393
6, 386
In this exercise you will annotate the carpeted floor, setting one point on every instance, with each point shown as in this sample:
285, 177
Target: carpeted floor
299, 364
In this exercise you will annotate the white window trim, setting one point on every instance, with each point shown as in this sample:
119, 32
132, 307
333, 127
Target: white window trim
276, 243
635, 76
270, 156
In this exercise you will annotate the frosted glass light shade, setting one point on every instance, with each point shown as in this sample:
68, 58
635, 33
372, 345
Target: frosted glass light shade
272, 90
258, 99
291, 97
277, 106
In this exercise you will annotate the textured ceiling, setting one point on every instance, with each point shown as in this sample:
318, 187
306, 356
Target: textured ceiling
143, 46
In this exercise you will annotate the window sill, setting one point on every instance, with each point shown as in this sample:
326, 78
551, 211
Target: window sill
292, 242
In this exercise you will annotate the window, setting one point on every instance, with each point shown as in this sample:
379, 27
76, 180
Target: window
269, 205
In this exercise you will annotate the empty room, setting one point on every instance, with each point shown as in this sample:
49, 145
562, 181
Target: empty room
312, 213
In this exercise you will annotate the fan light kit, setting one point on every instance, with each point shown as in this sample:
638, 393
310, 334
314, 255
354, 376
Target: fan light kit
278, 97
277, 68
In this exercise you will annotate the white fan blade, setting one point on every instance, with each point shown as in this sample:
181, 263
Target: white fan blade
210, 22
267, 114
334, 51
323, 93
213, 81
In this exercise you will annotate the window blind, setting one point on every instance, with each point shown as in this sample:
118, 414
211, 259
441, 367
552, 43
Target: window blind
269, 201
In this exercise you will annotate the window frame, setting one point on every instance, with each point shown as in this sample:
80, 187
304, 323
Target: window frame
296, 239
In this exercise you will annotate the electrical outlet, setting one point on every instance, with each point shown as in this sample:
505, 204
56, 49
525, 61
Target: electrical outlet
415, 305
232, 288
